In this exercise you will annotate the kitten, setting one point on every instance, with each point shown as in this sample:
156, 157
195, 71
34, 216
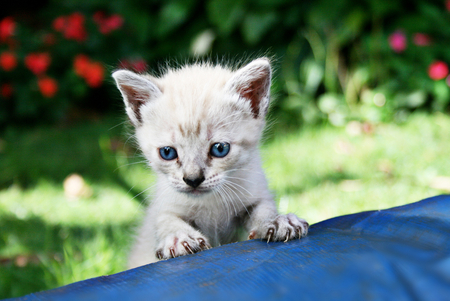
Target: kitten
199, 127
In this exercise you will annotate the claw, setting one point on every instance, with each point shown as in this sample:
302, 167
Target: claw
172, 252
187, 247
288, 236
252, 235
270, 234
203, 244
159, 254
300, 232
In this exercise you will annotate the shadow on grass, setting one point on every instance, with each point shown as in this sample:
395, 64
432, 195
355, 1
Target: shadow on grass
31, 248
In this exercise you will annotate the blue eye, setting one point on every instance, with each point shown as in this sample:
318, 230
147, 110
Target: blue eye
219, 149
168, 153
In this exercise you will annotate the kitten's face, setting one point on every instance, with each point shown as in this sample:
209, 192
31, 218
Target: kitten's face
197, 151
195, 127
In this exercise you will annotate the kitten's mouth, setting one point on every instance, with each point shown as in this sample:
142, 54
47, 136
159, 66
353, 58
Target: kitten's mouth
196, 192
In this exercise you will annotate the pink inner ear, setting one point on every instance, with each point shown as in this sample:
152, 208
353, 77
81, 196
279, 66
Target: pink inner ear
254, 92
135, 99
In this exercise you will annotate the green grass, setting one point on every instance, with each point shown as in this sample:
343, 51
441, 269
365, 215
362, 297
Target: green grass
324, 173
48, 240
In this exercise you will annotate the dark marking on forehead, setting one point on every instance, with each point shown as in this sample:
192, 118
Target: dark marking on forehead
181, 130
198, 129
245, 143
191, 130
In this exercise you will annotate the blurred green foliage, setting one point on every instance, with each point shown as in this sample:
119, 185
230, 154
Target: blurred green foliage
335, 60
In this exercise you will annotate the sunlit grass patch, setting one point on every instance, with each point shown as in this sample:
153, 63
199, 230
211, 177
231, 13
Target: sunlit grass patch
333, 171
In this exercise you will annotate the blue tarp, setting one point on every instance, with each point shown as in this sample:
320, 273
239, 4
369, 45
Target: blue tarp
401, 253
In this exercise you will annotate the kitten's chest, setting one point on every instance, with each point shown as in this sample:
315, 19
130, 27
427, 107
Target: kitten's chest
218, 227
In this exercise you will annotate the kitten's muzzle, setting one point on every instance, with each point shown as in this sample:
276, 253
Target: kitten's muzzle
194, 183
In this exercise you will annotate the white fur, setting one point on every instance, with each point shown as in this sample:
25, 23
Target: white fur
190, 109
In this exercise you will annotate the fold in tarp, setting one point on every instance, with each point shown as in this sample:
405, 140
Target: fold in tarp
401, 253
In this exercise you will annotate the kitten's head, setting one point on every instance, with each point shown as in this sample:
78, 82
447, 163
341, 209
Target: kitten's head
200, 124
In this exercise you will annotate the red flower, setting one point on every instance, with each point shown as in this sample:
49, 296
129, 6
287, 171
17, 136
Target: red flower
8, 60
7, 28
81, 64
124, 64
48, 86
37, 62
397, 41
72, 26
75, 28
447, 5
107, 24
59, 24
6, 90
421, 39
438, 70
138, 65
92, 72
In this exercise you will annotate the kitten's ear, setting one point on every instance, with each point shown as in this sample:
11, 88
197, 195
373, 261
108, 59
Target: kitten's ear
136, 90
252, 82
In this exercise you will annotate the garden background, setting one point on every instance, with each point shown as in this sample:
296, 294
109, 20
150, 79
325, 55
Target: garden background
359, 119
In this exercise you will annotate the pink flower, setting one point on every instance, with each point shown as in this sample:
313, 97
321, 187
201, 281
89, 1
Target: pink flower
397, 41
447, 80
421, 39
438, 70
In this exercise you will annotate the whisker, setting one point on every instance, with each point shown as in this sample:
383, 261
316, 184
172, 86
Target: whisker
121, 123
242, 179
239, 186
128, 164
240, 200
244, 169
223, 202
230, 200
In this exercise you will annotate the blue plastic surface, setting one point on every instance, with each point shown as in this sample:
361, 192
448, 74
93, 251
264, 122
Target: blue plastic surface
401, 253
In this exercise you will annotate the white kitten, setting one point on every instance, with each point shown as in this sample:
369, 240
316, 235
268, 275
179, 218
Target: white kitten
199, 127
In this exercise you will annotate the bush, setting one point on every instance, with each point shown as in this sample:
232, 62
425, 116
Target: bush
336, 60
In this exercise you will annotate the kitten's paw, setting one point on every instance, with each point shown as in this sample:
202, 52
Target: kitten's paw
181, 244
283, 228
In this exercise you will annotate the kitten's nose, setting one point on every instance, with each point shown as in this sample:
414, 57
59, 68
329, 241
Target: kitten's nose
194, 183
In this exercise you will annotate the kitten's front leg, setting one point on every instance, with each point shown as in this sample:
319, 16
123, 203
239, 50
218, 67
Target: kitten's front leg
266, 223
178, 238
